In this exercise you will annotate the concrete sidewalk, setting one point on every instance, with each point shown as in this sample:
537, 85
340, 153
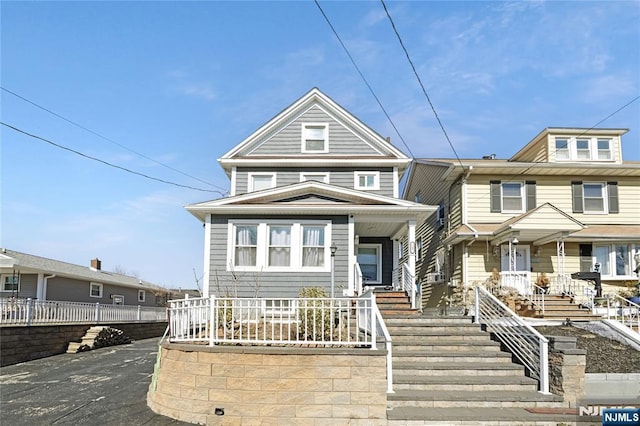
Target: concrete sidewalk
105, 386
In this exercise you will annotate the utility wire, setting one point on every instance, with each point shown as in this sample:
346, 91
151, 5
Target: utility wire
106, 138
105, 162
364, 79
424, 91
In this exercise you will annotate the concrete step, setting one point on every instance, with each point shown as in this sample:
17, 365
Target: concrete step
457, 369
467, 383
448, 356
435, 336
431, 327
446, 345
444, 398
480, 416
421, 319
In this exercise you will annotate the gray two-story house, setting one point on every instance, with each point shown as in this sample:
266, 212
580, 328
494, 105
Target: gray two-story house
314, 194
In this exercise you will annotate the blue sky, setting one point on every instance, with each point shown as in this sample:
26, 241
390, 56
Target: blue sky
183, 82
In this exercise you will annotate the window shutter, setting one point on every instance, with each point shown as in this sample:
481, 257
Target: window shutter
495, 196
612, 191
576, 191
531, 194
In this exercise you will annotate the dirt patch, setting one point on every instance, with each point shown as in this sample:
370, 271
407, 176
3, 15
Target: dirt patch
604, 355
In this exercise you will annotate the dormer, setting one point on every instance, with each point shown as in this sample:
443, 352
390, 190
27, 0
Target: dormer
573, 145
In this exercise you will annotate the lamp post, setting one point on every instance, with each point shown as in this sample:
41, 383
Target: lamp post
334, 249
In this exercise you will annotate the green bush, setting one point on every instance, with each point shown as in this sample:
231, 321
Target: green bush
315, 316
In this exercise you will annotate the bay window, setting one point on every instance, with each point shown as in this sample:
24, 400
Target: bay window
278, 245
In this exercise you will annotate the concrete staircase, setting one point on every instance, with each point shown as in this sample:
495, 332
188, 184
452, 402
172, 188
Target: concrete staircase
392, 303
448, 370
558, 307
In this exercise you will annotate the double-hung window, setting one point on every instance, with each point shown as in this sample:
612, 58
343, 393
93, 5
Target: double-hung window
512, 197
315, 137
245, 245
562, 149
11, 283
95, 290
604, 149
614, 260
367, 180
595, 197
583, 149
260, 181
278, 245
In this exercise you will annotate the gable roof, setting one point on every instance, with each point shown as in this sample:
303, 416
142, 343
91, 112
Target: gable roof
386, 153
309, 197
28, 263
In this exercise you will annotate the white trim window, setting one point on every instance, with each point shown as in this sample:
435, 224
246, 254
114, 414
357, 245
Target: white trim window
261, 181
278, 245
583, 149
367, 180
604, 149
614, 260
314, 176
10, 283
594, 196
315, 137
95, 290
512, 197
142, 296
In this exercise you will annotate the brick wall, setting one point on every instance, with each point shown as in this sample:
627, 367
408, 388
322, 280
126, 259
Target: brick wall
22, 343
265, 385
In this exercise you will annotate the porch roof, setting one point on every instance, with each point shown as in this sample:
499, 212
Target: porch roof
541, 225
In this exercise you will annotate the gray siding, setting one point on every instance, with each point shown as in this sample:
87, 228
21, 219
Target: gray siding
72, 290
342, 177
342, 140
274, 284
28, 287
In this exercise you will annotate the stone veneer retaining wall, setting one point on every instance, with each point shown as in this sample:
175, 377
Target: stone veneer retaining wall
22, 343
270, 385
567, 369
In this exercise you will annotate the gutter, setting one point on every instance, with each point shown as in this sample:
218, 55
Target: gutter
44, 285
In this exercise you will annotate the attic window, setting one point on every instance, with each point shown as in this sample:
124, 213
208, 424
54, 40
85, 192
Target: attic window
315, 137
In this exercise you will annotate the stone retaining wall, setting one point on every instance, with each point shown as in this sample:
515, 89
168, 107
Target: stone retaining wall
235, 385
22, 343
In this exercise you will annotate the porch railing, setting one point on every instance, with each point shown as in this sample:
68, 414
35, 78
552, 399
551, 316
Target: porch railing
518, 280
288, 321
522, 340
408, 284
380, 330
30, 312
537, 296
624, 310
357, 278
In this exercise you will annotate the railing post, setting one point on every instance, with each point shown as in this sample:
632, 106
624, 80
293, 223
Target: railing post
97, 316
544, 367
374, 329
476, 319
29, 311
213, 327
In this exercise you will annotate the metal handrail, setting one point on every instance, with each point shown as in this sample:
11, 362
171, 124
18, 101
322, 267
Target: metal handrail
381, 330
624, 310
537, 296
409, 285
522, 340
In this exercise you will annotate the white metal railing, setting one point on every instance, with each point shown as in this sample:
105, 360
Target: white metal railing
624, 310
409, 285
522, 340
30, 311
380, 330
286, 321
357, 278
537, 296
521, 281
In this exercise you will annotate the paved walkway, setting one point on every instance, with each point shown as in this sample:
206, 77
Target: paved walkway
106, 386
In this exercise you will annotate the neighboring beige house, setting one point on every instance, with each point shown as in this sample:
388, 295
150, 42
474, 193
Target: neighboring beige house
565, 202
27, 276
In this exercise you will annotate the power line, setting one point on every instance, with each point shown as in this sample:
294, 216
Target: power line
106, 162
106, 138
424, 91
364, 79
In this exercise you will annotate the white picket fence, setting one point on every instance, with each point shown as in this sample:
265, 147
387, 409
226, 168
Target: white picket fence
41, 312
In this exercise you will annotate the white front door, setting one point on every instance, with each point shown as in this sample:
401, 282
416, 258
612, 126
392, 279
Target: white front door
516, 267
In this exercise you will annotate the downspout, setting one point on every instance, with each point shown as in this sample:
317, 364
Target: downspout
465, 254
44, 285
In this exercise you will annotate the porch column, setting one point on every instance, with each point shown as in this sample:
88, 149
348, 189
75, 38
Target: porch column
206, 271
40, 292
351, 253
411, 237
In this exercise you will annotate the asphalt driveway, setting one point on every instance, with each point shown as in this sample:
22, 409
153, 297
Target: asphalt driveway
105, 386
